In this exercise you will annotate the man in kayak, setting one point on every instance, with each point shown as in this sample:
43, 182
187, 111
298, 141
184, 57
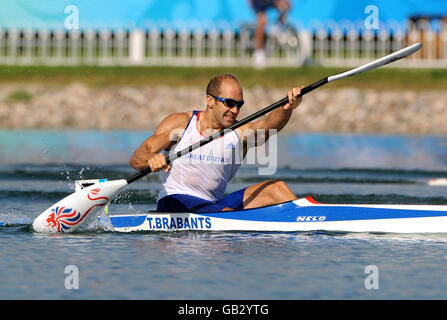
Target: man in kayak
197, 181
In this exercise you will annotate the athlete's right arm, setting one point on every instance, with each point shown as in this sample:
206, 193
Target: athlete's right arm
164, 137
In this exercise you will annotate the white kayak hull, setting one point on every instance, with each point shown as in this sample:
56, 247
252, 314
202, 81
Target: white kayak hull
300, 215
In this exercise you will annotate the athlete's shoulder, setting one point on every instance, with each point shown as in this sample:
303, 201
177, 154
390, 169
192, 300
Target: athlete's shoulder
176, 120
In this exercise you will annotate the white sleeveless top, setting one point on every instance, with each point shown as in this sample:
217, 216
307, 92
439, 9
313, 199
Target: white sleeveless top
206, 171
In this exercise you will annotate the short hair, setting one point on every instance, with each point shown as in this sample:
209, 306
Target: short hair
213, 87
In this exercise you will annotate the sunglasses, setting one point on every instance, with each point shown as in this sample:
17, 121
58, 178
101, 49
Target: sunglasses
230, 103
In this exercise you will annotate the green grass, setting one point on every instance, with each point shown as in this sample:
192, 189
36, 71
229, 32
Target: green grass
19, 96
385, 78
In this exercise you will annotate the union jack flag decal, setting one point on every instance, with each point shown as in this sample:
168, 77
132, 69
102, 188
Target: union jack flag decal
63, 218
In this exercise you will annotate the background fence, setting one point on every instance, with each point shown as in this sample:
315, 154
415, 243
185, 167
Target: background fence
334, 45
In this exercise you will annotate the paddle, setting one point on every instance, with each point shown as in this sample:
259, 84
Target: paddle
75, 211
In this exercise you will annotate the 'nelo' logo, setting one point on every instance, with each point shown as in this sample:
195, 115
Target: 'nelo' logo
310, 218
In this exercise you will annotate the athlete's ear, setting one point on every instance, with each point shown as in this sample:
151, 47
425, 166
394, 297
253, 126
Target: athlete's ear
210, 101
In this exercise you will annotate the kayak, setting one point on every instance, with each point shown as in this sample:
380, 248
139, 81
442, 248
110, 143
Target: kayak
303, 214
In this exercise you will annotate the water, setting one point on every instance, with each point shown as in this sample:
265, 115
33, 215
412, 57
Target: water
38, 168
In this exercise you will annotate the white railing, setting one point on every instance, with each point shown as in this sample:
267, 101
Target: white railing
337, 45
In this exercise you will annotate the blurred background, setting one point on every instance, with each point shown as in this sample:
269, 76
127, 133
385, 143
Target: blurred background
179, 32
217, 33
102, 65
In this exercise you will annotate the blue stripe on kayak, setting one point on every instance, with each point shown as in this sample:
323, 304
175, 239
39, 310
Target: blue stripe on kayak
290, 212
127, 221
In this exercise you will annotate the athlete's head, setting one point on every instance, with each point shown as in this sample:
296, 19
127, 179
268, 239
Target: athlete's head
224, 97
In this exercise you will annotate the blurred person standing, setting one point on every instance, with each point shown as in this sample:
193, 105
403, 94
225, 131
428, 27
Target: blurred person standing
260, 7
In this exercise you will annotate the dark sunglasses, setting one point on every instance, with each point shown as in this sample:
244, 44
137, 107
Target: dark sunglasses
230, 103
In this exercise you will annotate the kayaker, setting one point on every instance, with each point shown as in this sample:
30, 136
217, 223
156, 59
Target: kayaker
197, 181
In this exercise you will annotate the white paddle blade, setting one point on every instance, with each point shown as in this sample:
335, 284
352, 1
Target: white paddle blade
76, 210
402, 53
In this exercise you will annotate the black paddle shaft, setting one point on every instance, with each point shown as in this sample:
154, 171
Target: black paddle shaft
221, 133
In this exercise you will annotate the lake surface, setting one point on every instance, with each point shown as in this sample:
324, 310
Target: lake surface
38, 168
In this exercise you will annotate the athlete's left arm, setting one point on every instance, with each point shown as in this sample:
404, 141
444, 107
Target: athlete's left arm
257, 132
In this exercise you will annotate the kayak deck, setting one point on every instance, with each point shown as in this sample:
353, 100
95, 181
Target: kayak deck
299, 215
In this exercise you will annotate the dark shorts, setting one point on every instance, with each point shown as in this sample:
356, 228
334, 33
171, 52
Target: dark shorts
187, 203
263, 5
